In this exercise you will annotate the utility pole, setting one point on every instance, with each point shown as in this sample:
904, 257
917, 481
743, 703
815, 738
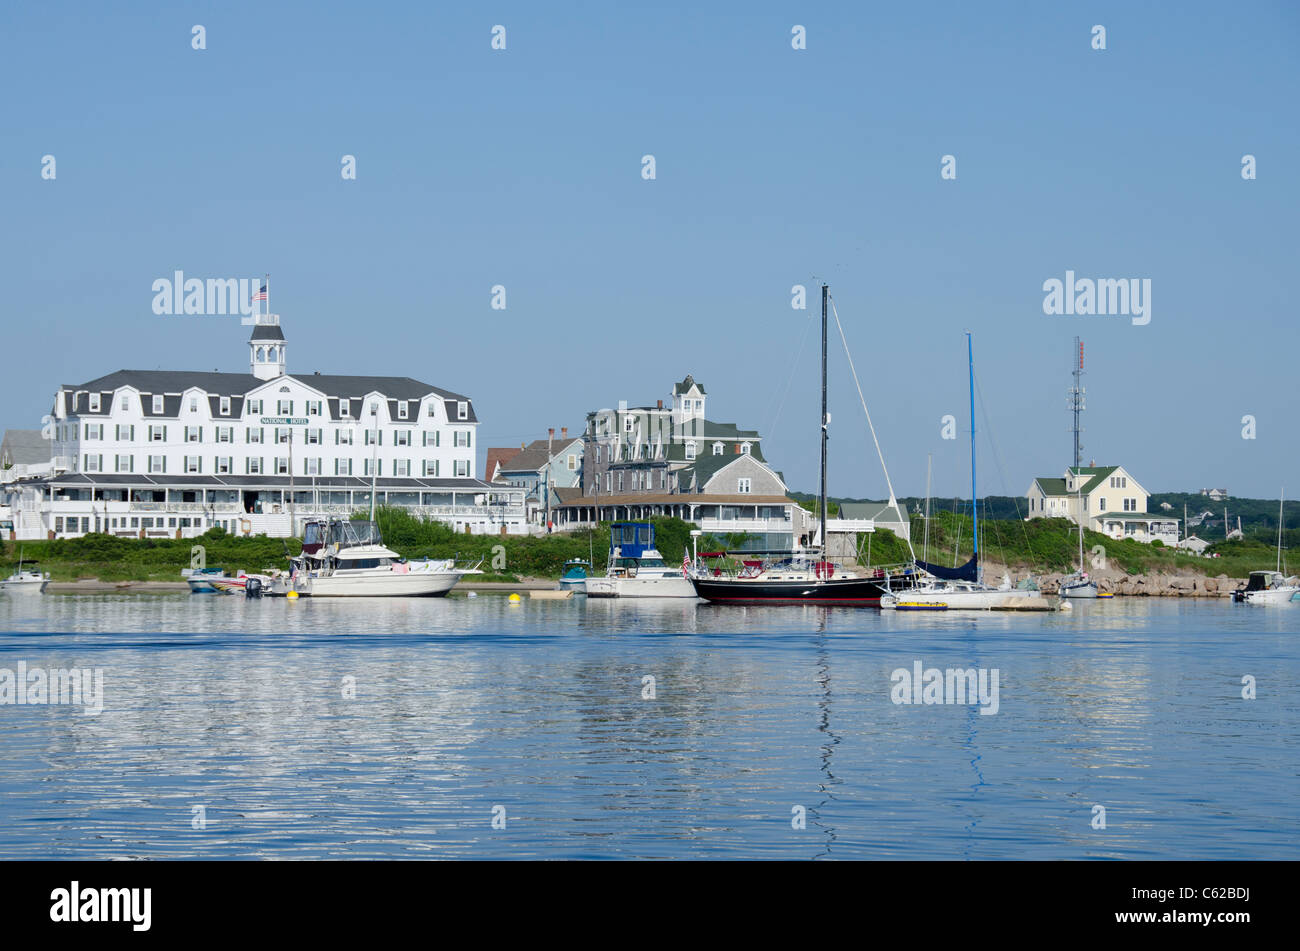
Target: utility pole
550, 441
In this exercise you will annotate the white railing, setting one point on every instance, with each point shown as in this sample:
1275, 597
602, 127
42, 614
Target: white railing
745, 525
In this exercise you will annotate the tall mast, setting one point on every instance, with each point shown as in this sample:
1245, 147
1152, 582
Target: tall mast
1280, 502
974, 499
925, 547
825, 421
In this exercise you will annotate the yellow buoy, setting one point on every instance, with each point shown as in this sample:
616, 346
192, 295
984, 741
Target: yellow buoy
515, 599
292, 594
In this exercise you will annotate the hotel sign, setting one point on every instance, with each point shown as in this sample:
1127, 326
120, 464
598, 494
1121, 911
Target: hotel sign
284, 421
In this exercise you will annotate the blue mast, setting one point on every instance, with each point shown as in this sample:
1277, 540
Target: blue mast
974, 499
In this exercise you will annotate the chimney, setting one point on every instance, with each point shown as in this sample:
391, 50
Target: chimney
661, 404
550, 433
564, 432
737, 448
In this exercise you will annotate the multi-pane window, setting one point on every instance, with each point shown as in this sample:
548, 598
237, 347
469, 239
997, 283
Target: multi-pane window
225, 405
717, 448
157, 433
313, 437
254, 408
462, 468
94, 402
225, 434
742, 486
193, 464
462, 410
284, 407
371, 469
157, 403
223, 465
690, 450
311, 465
462, 439
402, 409
157, 463
253, 465
433, 412
431, 467
283, 433
313, 407
253, 434
372, 435
402, 468
281, 465
433, 438
125, 433
343, 467
94, 430
194, 404
345, 408
342, 437
94, 463
124, 464
402, 437
573, 462
194, 434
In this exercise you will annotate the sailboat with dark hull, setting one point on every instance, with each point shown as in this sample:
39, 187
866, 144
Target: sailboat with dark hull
802, 579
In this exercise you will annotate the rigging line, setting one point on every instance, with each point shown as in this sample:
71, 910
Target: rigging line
794, 368
893, 500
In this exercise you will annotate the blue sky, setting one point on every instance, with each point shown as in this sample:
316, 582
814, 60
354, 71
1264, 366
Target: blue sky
774, 167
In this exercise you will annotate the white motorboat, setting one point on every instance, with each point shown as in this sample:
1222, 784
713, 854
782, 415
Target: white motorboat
1270, 587
342, 559
29, 579
636, 569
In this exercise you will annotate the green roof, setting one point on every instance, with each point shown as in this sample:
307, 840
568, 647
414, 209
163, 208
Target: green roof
685, 385
1097, 472
1051, 486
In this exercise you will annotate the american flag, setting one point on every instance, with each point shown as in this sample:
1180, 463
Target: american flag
260, 295
686, 563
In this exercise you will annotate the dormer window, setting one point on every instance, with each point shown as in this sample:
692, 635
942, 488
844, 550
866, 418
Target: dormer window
462, 410
744, 448
157, 404
690, 450
345, 408
225, 406
374, 409
401, 409
432, 409
194, 404
717, 448
94, 402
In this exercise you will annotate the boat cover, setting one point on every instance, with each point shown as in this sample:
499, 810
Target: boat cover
967, 572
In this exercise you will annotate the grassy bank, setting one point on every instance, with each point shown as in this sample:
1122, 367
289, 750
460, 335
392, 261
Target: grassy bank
110, 558
1037, 545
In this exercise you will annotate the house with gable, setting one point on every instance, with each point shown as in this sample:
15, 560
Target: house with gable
1104, 499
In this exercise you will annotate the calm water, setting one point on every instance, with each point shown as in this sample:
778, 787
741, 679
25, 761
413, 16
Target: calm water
463, 705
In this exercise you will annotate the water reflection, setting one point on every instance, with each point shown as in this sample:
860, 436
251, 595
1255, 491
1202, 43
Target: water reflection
392, 728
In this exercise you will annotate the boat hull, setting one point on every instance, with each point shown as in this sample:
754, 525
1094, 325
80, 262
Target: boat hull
393, 585
661, 587
972, 600
1271, 596
24, 586
1081, 591
840, 592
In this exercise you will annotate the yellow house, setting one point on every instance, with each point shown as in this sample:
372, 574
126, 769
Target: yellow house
1106, 499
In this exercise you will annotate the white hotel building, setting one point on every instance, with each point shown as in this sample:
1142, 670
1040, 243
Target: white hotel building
164, 453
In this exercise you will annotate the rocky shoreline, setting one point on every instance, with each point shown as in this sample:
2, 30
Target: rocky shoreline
1154, 585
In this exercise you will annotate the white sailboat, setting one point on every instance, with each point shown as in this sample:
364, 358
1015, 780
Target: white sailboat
1078, 585
963, 588
29, 581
